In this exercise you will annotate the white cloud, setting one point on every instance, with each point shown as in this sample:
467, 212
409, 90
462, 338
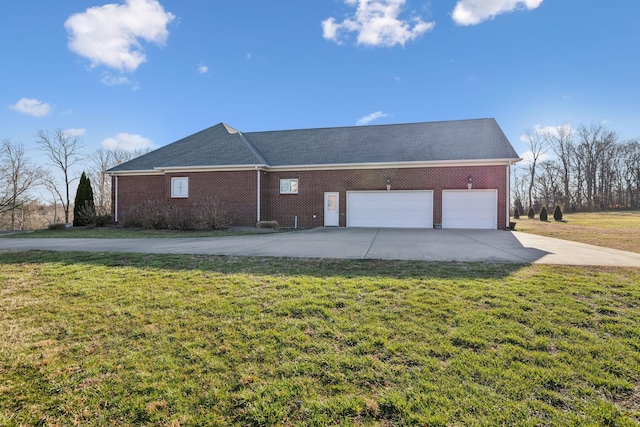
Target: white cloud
75, 132
553, 131
371, 117
249, 56
110, 35
472, 12
377, 24
203, 69
31, 107
127, 142
111, 80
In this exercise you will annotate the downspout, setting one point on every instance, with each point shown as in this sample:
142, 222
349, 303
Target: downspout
508, 195
116, 201
258, 192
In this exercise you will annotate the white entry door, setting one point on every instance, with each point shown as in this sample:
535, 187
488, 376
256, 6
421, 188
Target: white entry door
331, 209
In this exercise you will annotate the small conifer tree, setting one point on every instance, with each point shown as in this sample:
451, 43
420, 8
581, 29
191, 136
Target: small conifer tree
83, 202
543, 214
557, 213
516, 213
531, 214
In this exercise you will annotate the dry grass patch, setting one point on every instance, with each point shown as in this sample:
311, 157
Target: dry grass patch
616, 230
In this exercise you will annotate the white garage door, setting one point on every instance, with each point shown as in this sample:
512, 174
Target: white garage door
470, 209
401, 209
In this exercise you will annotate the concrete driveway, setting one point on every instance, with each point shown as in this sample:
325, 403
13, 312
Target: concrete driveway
361, 243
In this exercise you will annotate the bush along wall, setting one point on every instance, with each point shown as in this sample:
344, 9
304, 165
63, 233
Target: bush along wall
209, 214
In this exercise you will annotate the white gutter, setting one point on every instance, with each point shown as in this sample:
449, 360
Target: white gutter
329, 166
136, 172
205, 168
394, 165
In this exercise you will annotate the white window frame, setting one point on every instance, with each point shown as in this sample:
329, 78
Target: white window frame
175, 181
288, 186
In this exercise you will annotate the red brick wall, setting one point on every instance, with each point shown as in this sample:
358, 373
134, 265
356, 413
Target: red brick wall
238, 190
312, 184
133, 190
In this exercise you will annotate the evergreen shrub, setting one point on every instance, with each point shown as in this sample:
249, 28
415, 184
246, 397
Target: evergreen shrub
557, 213
83, 201
531, 214
543, 214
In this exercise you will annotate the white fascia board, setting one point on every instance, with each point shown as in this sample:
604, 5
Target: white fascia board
395, 165
223, 168
336, 166
135, 172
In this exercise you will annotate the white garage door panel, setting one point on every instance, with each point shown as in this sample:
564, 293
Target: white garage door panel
470, 209
401, 209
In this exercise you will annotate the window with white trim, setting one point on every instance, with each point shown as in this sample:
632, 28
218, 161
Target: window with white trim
289, 186
180, 188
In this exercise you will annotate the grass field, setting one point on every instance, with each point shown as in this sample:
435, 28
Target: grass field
124, 233
617, 230
113, 339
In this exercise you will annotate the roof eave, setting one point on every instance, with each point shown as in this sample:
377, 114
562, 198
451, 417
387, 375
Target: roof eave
400, 165
329, 166
210, 168
134, 172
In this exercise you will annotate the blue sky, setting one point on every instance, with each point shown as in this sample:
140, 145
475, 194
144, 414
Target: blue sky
136, 73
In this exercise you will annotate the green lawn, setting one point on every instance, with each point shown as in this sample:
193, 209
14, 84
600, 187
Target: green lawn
616, 229
125, 233
114, 339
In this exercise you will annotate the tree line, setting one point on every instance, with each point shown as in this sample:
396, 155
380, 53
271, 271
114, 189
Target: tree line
29, 189
588, 168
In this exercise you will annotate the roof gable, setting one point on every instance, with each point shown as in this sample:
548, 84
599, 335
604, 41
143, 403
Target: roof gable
218, 145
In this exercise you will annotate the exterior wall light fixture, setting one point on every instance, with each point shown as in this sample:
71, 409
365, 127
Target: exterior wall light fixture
469, 182
388, 184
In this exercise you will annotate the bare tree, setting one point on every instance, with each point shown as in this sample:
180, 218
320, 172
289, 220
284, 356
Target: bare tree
102, 161
594, 152
591, 170
549, 183
118, 156
630, 173
518, 187
64, 150
537, 143
561, 142
18, 175
101, 182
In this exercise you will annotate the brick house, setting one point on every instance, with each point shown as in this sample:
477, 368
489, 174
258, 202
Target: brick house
453, 174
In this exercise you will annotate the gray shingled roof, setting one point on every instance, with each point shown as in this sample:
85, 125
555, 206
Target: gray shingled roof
479, 139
